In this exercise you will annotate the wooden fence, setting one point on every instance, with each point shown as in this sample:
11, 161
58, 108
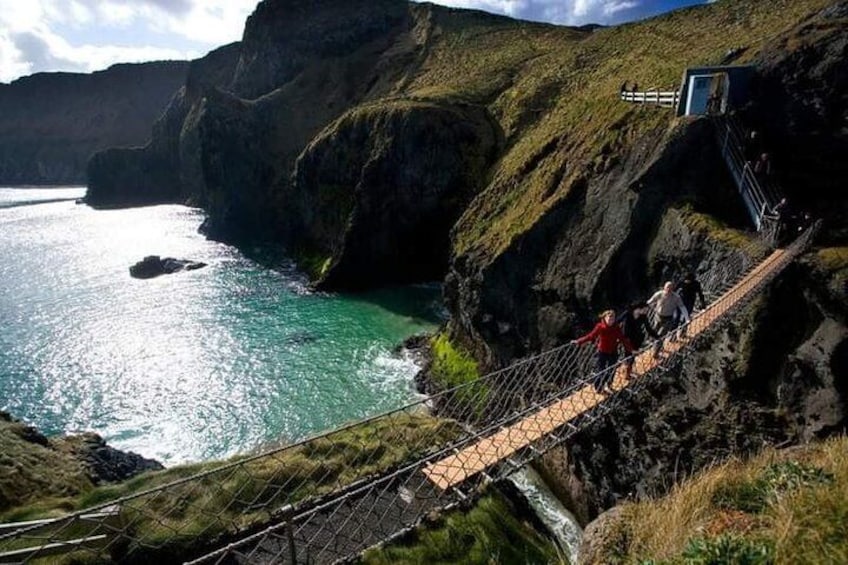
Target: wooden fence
667, 99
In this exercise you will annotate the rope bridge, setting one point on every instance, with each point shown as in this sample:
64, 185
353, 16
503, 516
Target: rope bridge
330, 497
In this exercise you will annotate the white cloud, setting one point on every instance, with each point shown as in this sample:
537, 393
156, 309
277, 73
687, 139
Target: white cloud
567, 12
11, 64
512, 8
88, 35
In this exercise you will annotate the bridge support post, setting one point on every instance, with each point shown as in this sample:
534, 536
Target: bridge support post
287, 512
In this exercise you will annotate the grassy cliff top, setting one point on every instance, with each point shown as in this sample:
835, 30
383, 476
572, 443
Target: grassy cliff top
780, 507
31, 468
554, 92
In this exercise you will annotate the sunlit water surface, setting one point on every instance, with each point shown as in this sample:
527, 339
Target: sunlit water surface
190, 366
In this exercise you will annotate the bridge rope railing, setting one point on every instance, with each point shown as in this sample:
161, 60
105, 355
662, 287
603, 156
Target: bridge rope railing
335, 494
759, 193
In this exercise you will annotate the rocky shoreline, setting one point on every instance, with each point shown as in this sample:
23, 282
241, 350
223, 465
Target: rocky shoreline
59, 466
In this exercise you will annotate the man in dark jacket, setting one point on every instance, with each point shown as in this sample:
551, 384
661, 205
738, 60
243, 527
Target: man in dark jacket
690, 289
635, 324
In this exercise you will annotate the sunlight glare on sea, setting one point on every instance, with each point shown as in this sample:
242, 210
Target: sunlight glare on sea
190, 366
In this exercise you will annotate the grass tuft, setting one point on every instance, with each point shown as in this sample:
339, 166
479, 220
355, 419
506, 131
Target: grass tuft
781, 507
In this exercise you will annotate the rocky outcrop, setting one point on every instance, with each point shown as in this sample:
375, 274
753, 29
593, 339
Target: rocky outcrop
104, 464
604, 243
773, 377
283, 37
33, 466
599, 536
379, 191
230, 140
151, 174
804, 81
51, 123
154, 266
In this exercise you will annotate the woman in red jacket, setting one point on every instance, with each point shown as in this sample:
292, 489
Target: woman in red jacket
607, 335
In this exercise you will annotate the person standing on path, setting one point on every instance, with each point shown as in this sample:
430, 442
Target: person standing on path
668, 305
607, 335
689, 290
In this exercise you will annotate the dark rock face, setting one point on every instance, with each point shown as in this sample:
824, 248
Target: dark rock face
104, 463
282, 36
380, 190
153, 266
805, 83
545, 289
140, 176
731, 398
225, 152
51, 123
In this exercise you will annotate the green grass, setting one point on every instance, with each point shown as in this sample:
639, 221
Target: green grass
489, 533
30, 471
780, 507
554, 94
714, 229
189, 516
452, 365
728, 549
833, 259
314, 264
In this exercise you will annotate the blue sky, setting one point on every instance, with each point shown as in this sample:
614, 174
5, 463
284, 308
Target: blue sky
89, 35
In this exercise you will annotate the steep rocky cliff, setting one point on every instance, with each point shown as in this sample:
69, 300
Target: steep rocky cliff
150, 173
51, 123
384, 185
316, 106
776, 376
358, 146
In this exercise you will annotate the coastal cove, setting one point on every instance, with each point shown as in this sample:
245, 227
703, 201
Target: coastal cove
192, 366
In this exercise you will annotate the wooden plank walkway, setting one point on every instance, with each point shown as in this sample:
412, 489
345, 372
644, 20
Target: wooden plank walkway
488, 451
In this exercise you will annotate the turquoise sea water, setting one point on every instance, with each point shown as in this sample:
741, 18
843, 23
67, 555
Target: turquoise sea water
190, 366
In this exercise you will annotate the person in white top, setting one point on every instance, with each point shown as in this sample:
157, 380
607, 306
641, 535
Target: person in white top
668, 305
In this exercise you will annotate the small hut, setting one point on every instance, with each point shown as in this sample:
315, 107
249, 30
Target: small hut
712, 90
